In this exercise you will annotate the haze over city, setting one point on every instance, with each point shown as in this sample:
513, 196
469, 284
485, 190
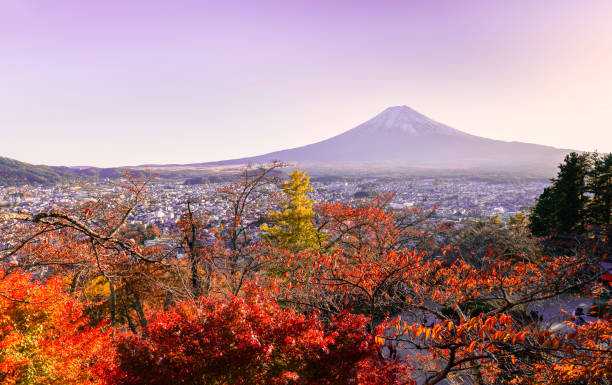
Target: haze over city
126, 83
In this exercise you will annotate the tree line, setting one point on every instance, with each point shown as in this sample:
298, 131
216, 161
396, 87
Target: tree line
579, 196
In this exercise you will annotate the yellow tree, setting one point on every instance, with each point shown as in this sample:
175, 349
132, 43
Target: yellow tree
292, 226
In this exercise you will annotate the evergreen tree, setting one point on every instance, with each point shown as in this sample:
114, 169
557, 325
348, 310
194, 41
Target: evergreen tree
543, 215
293, 226
570, 186
562, 207
600, 187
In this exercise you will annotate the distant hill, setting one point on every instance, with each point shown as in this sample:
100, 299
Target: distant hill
13, 172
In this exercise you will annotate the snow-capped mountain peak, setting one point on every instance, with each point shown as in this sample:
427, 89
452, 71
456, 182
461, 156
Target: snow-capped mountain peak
406, 120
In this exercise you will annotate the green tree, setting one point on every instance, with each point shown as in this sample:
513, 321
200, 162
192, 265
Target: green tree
599, 186
292, 226
571, 189
562, 207
543, 218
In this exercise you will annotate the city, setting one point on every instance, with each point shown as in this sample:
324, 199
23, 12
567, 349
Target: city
456, 199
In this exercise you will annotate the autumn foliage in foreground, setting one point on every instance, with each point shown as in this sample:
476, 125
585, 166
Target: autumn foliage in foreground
251, 341
45, 338
367, 295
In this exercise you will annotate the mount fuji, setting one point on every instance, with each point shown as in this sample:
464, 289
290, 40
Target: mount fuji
398, 139
402, 137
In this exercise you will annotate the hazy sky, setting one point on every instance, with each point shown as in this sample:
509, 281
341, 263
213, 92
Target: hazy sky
110, 83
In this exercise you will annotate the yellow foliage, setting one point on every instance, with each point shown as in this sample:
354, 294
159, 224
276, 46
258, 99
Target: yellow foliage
98, 287
293, 226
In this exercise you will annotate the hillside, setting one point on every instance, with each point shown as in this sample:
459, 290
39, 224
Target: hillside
13, 172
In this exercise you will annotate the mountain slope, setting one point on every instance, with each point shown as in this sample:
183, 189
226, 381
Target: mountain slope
13, 172
400, 136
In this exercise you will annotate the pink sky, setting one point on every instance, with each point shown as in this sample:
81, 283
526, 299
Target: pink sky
112, 83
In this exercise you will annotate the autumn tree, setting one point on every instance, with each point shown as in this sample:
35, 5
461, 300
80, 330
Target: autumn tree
245, 196
191, 234
367, 283
374, 225
582, 356
476, 240
238, 252
458, 318
86, 243
45, 338
520, 221
252, 341
364, 262
465, 321
292, 227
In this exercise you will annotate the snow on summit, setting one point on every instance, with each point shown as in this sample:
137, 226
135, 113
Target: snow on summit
405, 119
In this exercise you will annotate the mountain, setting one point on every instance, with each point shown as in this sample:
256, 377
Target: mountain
402, 137
399, 138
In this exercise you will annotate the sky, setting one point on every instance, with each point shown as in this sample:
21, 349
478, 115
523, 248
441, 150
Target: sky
117, 83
